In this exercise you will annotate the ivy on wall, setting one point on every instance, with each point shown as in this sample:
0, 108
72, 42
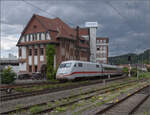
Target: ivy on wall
50, 52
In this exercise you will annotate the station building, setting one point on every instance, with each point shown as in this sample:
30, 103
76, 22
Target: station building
70, 43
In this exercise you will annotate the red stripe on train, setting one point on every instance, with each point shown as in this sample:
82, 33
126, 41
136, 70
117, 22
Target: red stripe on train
86, 73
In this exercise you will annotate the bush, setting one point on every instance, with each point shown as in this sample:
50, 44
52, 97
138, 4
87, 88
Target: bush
8, 76
134, 72
125, 70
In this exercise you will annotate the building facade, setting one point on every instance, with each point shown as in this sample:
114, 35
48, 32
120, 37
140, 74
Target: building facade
70, 43
102, 50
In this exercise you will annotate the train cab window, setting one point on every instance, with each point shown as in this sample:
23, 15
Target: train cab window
97, 66
65, 65
80, 64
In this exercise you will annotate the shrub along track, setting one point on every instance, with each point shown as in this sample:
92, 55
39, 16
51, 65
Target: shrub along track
73, 99
53, 89
127, 105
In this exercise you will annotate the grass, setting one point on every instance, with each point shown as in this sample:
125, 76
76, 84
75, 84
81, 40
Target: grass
144, 75
35, 109
48, 86
61, 109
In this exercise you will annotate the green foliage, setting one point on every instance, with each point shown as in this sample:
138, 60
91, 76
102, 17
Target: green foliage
61, 109
50, 52
135, 58
134, 72
144, 75
35, 109
8, 76
125, 70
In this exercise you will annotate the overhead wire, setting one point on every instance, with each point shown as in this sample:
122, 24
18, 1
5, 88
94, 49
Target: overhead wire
45, 11
123, 17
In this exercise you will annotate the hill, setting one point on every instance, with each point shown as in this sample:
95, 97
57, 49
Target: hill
135, 58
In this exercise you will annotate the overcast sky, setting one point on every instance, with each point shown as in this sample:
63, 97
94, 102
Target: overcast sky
125, 22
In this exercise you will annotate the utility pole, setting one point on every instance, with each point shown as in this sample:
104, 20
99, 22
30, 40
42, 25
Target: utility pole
129, 60
77, 52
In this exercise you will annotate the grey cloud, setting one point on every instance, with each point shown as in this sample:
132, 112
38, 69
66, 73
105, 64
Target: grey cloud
120, 29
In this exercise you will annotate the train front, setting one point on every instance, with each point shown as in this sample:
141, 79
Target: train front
64, 71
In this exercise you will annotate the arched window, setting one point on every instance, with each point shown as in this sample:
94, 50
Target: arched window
27, 38
48, 36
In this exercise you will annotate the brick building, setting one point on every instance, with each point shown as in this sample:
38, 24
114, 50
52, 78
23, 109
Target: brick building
102, 50
70, 43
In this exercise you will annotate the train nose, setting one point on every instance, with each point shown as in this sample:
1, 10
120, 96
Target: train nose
59, 76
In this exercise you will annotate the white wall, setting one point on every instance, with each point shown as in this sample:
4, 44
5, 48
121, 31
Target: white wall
35, 60
30, 60
22, 66
41, 58
93, 44
23, 50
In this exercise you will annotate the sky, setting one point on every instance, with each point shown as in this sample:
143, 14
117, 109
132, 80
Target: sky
125, 22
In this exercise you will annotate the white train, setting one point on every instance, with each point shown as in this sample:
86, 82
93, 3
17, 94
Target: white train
71, 70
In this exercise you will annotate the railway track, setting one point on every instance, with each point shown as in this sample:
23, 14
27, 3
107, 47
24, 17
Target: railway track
33, 93
73, 99
26, 85
127, 105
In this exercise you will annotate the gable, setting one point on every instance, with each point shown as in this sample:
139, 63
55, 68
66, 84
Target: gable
34, 26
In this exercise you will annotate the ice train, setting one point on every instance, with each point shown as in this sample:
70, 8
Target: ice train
70, 70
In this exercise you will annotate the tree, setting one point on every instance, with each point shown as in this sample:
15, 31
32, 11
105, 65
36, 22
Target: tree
50, 52
8, 76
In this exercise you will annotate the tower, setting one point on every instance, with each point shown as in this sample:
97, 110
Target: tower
92, 29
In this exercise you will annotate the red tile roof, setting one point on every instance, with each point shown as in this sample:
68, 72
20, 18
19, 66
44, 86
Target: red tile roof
58, 25
58, 29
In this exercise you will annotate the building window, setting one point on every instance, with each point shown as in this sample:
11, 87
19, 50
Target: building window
26, 38
30, 68
34, 26
33, 37
41, 51
42, 36
98, 49
35, 51
39, 36
36, 68
29, 37
30, 52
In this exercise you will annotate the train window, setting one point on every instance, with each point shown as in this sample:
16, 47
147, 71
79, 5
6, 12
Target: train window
65, 65
97, 66
80, 64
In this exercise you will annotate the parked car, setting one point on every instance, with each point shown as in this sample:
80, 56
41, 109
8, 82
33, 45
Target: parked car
24, 76
36, 76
